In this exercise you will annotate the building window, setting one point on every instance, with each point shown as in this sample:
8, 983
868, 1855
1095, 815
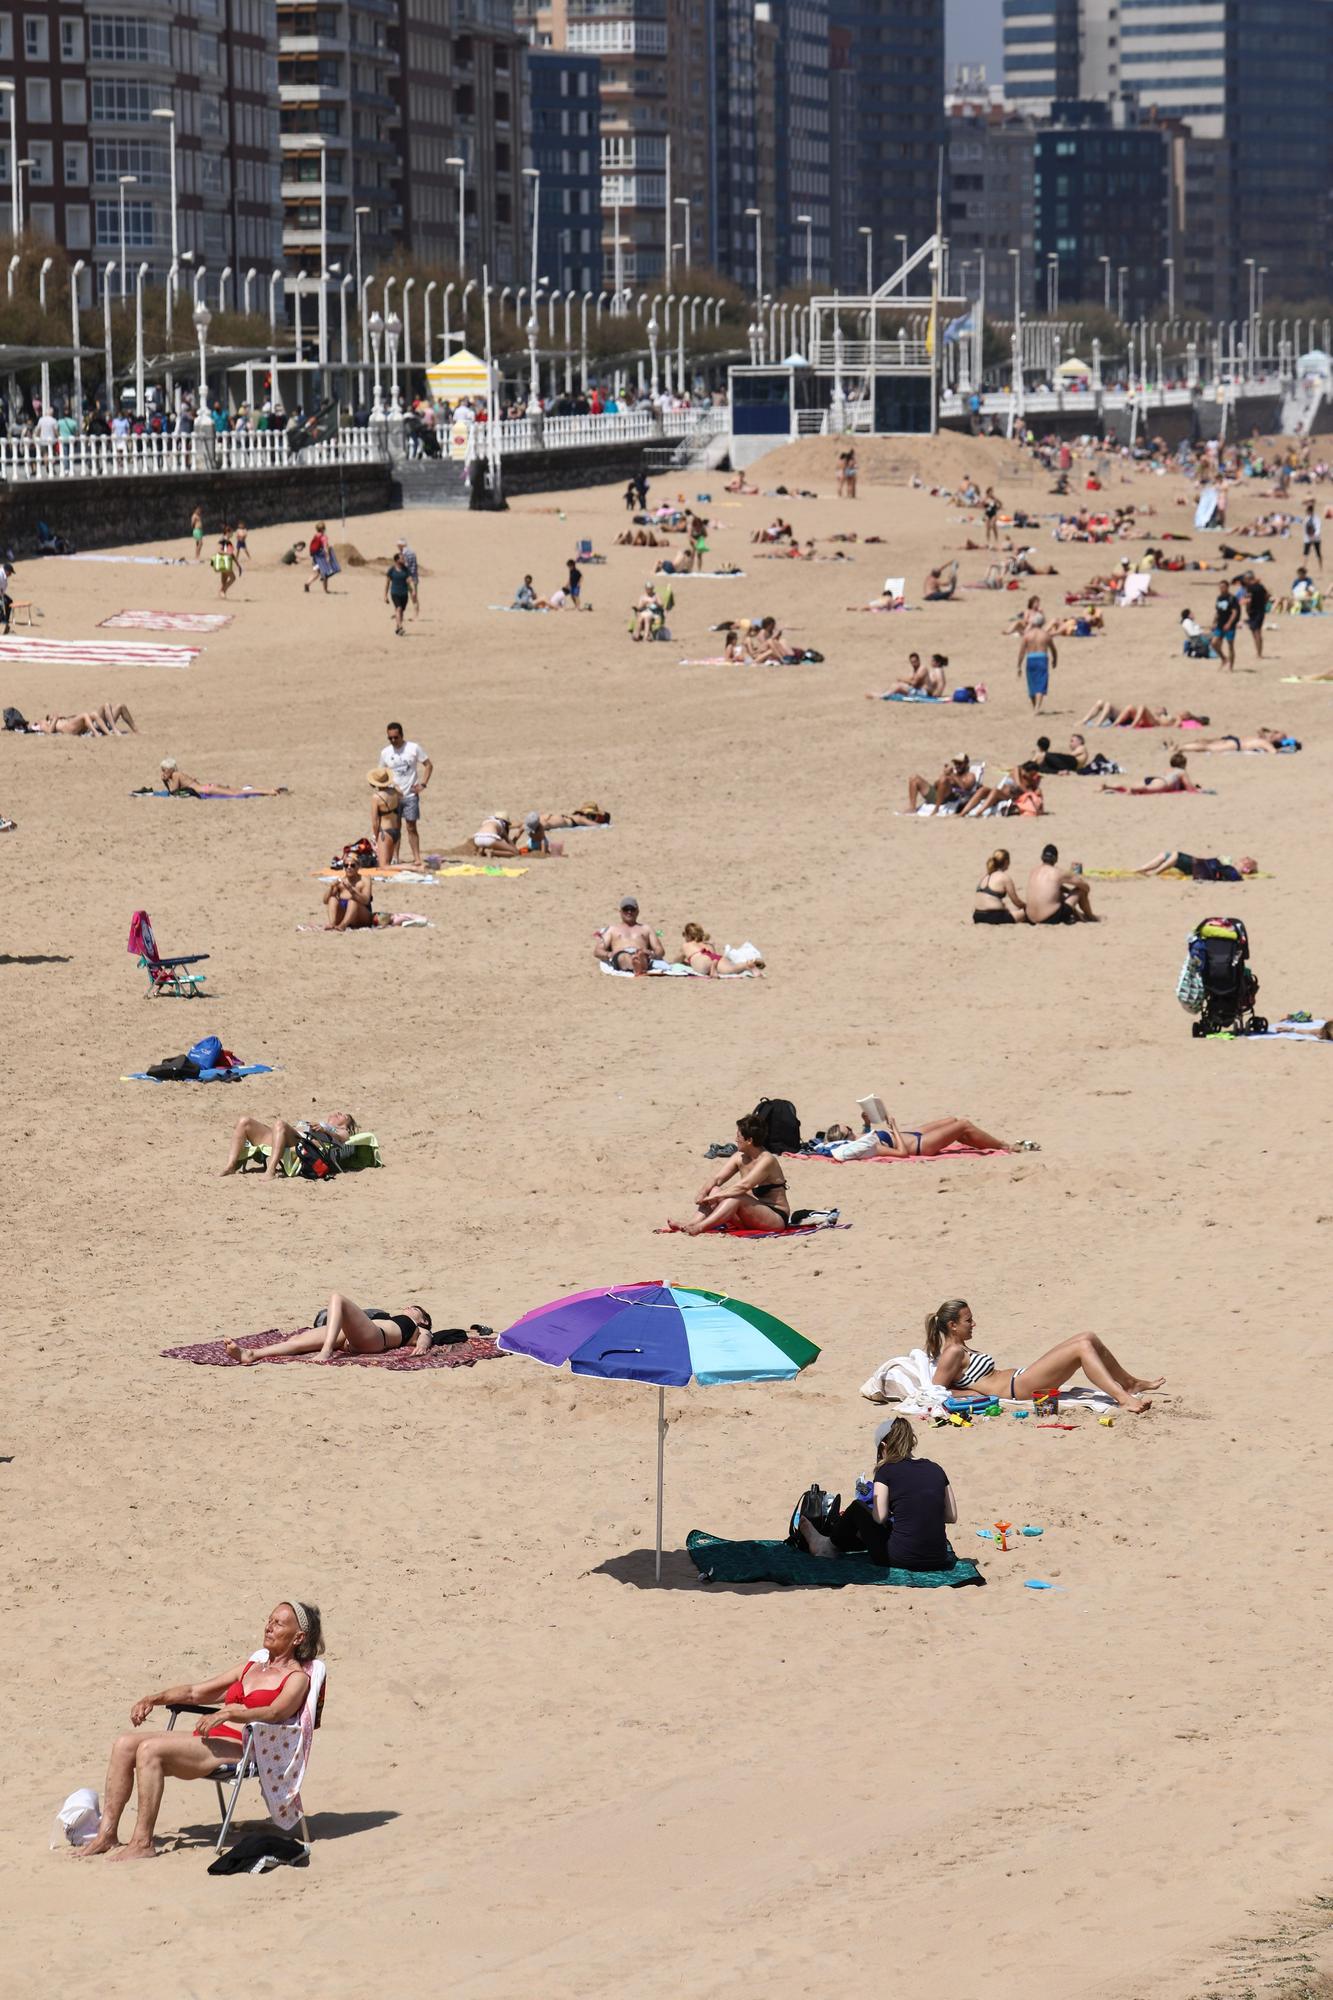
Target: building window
38, 97
36, 39
40, 153
42, 215
120, 38
71, 39
207, 46
6, 38
140, 225
74, 103
126, 103
76, 166
146, 159
78, 226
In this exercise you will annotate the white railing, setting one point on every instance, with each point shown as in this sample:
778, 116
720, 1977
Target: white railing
625, 427
228, 451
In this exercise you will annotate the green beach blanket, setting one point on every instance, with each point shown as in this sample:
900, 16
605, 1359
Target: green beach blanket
719, 1561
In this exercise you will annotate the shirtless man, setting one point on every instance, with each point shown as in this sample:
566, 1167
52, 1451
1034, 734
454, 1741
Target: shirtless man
1268, 742
1022, 778
941, 584
627, 946
954, 782
1056, 895
92, 722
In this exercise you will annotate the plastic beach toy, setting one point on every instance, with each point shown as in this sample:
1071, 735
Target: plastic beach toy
1031, 1531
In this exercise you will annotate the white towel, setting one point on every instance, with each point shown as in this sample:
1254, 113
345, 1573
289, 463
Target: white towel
907, 1382
282, 1751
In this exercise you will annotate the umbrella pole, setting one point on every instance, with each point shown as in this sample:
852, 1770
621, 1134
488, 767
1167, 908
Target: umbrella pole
661, 1443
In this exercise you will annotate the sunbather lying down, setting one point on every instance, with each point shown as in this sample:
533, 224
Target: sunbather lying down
958, 1365
1267, 742
270, 1691
344, 1328
1140, 715
923, 1142
176, 780
90, 722
332, 1132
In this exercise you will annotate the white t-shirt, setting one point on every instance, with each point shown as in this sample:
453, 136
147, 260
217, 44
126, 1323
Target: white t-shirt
404, 763
48, 430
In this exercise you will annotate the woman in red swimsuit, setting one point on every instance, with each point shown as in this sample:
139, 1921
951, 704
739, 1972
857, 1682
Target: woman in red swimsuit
269, 1691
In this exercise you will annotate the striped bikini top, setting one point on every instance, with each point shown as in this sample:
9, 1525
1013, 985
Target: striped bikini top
977, 1366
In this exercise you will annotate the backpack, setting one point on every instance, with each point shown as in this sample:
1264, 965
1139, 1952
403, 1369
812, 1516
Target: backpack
14, 720
817, 1507
782, 1127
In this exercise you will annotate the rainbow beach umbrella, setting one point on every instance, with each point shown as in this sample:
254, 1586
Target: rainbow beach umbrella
653, 1331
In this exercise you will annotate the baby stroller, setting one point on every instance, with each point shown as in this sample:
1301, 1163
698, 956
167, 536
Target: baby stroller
1217, 983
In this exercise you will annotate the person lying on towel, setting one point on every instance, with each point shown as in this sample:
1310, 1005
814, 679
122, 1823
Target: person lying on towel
960, 1366
904, 1525
273, 1690
174, 780
344, 1328
628, 945
749, 1189
915, 1142
329, 1135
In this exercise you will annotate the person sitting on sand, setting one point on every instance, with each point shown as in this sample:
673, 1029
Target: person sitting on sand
1057, 895
648, 613
175, 780
331, 1134
905, 1525
749, 1189
941, 584
740, 484
1179, 781
89, 722
1139, 715
627, 946
533, 839
956, 784
386, 815
350, 900
997, 897
347, 1329
1200, 867
272, 1690
701, 955
929, 680
777, 530
960, 1366
765, 646
1268, 743
1053, 762
1023, 779
495, 835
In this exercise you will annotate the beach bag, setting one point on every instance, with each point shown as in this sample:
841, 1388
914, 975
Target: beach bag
77, 1821
1030, 803
14, 720
1189, 986
207, 1053
174, 1069
782, 1127
818, 1508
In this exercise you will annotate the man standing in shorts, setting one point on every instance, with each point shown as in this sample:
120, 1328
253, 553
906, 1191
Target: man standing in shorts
1314, 534
1257, 601
411, 769
1226, 619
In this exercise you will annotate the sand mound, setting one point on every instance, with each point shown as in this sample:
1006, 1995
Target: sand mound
940, 461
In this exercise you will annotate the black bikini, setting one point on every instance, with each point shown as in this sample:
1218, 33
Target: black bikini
771, 1187
1000, 916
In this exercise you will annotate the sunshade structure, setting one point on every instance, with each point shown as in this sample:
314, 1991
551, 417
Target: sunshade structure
658, 1332
463, 374
1069, 369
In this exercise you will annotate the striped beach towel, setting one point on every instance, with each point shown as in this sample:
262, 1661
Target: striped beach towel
169, 621
92, 653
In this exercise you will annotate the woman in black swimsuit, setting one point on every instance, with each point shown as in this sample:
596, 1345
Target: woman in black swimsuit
757, 1195
995, 892
347, 1329
386, 815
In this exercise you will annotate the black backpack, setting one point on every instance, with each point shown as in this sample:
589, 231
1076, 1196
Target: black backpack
782, 1128
13, 720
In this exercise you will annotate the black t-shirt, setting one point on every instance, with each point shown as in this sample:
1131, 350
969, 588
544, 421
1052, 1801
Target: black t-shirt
575, 577
1258, 603
1226, 611
917, 1536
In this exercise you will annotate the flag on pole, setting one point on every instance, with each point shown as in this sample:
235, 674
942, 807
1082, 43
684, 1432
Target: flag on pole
958, 327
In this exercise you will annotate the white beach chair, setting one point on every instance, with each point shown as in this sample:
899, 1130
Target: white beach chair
246, 1764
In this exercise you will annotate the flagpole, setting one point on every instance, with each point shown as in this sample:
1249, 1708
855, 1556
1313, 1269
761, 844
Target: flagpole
935, 296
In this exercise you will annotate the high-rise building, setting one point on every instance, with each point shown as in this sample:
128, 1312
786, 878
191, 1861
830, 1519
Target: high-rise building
92, 86
886, 107
458, 82
340, 127
989, 201
804, 178
1101, 190
566, 151
1041, 52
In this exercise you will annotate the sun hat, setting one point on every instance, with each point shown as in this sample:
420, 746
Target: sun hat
380, 776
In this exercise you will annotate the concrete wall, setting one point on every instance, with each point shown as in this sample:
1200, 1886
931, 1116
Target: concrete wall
102, 513
591, 465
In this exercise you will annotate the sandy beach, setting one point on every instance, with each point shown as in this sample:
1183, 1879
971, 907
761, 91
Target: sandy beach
538, 1772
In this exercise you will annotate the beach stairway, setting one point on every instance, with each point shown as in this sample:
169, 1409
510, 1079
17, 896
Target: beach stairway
429, 482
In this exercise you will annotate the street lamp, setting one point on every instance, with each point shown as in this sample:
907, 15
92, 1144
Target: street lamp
323, 146
1263, 273
756, 216
869, 234
125, 181
74, 340
534, 400
1105, 263
808, 224
1121, 272
170, 117
393, 328
652, 351
1169, 264
24, 167
1052, 282
683, 201
202, 320
454, 161
139, 277
15, 213
534, 174
901, 241
375, 328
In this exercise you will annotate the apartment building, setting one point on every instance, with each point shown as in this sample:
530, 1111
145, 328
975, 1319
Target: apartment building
566, 151
97, 94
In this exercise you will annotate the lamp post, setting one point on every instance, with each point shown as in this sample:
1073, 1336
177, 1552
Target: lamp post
24, 167
447, 335
323, 147
393, 333
901, 241
433, 286
684, 201
46, 366
756, 216
139, 277
202, 321
74, 340
1169, 264
1052, 282
1263, 273
534, 401
618, 304
375, 328
274, 282
107, 276
807, 222
222, 288
170, 118
869, 234
1018, 311
534, 174
652, 352
10, 89
1105, 263
1122, 271
407, 333
454, 161
125, 181
344, 357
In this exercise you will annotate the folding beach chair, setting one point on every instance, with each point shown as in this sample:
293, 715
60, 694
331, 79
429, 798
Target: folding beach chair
584, 551
164, 974
246, 1765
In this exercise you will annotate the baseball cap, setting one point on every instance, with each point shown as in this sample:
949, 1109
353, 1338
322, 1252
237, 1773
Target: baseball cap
629, 903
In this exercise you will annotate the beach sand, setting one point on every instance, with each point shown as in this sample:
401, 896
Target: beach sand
537, 1772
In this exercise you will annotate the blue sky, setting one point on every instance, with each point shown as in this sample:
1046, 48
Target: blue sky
973, 33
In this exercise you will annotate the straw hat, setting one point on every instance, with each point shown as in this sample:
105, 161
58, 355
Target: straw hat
381, 778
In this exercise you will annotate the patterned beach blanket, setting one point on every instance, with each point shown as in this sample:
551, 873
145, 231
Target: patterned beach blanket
402, 1361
